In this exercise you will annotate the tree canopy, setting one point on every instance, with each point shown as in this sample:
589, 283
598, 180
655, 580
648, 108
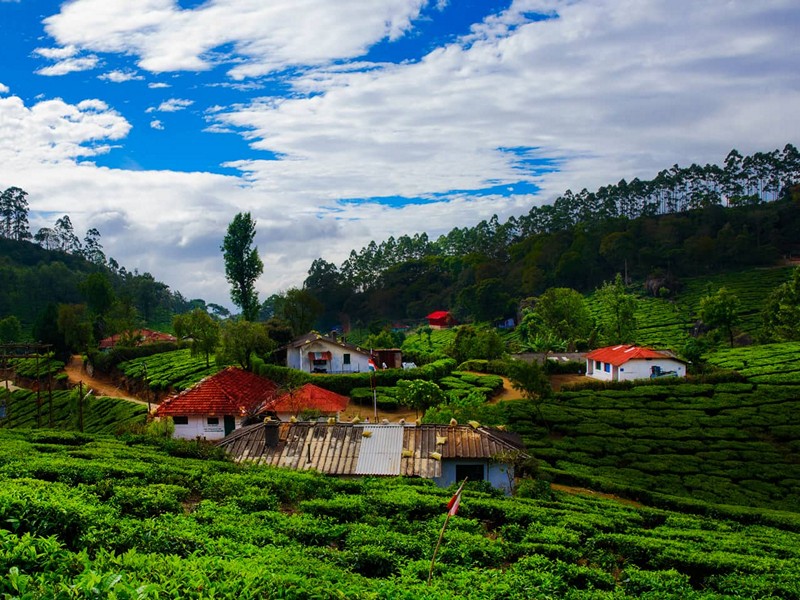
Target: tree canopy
243, 266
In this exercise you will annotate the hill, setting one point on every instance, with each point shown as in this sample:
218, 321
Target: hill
91, 516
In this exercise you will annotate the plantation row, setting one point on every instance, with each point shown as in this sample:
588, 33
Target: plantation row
64, 411
86, 516
733, 443
666, 324
771, 363
177, 370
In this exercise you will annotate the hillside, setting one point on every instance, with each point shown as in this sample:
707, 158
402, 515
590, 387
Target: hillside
87, 516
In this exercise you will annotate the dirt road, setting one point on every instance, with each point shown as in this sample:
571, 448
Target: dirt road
102, 387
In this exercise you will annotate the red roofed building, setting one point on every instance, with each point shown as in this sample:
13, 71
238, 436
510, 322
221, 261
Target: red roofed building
310, 398
218, 404
440, 319
140, 337
624, 363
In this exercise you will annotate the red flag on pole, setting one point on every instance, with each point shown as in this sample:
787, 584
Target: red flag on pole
452, 506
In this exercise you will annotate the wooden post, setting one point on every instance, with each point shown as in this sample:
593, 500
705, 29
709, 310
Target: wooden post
80, 406
450, 513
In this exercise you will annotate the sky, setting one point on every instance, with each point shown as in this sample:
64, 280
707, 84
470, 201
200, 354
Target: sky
337, 123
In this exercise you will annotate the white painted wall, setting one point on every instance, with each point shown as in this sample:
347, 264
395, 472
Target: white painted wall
198, 427
297, 358
638, 368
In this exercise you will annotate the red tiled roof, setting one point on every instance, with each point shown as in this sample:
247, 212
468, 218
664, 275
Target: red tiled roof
229, 392
619, 355
438, 314
309, 397
146, 336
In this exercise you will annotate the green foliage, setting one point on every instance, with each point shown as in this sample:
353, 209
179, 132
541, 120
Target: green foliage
720, 311
241, 340
10, 330
471, 342
617, 312
106, 519
177, 370
419, 394
781, 313
242, 264
560, 319
201, 329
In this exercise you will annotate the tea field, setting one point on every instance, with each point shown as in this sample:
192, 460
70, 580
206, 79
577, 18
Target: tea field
735, 442
85, 516
176, 370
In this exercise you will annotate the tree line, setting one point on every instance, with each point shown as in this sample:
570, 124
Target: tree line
685, 221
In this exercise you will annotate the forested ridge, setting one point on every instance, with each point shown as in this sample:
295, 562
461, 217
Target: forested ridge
685, 221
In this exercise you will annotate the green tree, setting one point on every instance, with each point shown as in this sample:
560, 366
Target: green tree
300, 309
98, 293
471, 342
419, 394
617, 318
565, 315
240, 340
75, 326
243, 266
720, 311
201, 329
10, 330
531, 381
781, 314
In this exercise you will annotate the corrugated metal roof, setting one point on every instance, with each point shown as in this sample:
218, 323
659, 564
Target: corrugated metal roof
392, 449
381, 450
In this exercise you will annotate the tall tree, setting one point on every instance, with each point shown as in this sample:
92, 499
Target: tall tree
201, 329
92, 248
781, 315
721, 311
14, 214
617, 318
242, 264
67, 240
300, 309
241, 340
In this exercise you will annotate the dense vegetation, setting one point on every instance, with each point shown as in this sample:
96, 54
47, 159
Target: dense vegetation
684, 222
86, 517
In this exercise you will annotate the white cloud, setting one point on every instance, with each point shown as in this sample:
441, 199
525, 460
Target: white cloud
69, 65
53, 131
4, 89
157, 85
57, 53
156, 124
172, 105
118, 76
265, 36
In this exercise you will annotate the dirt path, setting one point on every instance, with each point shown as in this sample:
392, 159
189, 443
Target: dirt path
102, 387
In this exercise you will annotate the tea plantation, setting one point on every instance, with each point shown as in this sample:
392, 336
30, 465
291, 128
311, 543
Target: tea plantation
96, 517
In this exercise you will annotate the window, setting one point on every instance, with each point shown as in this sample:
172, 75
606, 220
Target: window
346, 359
597, 365
181, 420
213, 420
473, 472
607, 367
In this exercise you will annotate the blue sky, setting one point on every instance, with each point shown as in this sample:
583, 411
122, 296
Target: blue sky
336, 123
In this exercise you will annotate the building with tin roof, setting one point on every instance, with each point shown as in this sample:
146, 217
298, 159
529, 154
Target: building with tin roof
443, 453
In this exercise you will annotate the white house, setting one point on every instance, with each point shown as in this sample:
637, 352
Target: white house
315, 353
217, 405
624, 363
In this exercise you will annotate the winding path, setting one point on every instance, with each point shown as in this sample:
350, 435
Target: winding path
103, 387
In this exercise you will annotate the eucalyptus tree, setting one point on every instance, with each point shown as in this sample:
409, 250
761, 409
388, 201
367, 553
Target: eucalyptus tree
243, 266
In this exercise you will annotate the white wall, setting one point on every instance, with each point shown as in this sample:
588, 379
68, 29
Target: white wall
297, 358
638, 368
198, 427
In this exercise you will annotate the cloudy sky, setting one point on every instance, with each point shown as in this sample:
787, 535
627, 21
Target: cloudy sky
338, 122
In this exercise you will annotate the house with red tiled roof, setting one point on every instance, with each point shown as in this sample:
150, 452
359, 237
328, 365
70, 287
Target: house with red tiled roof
218, 404
626, 362
140, 337
309, 398
440, 319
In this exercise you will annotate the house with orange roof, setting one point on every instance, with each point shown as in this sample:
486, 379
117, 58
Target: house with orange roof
440, 319
218, 404
309, 398
626, 362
